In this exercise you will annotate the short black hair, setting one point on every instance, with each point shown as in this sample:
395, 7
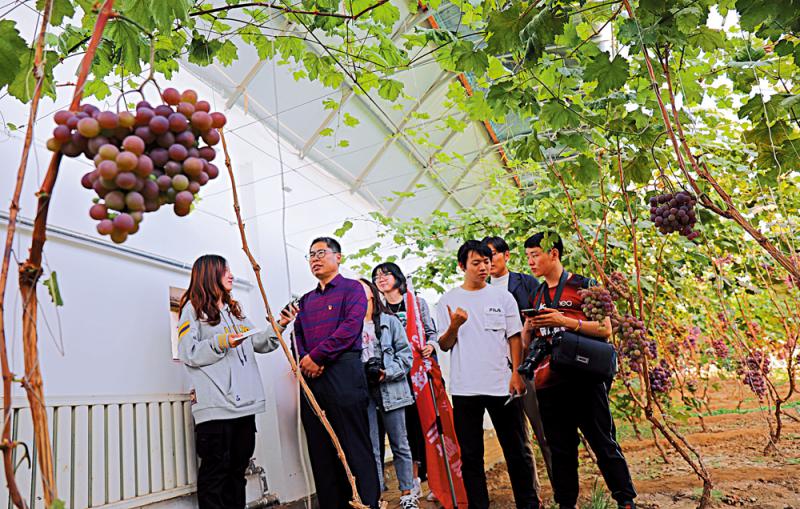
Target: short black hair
536, 241
498, 243
332, 243
394, 270
472, 245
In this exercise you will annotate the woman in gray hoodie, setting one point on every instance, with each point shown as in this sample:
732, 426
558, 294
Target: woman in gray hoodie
224, 378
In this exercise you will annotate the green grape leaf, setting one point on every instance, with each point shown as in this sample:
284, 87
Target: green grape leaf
61, 9
346, 227
12, 46
609, 74
504, 27
350, 121
557, 116
24, 83
542, 30
390, 89
51, 283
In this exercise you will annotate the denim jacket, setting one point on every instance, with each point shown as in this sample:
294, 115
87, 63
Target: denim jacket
397, 357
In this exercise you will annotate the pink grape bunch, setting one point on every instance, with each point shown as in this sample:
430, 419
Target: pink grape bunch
661, 378
675, 212
634, 344
618, 286
755, 368
596, 303
155, 156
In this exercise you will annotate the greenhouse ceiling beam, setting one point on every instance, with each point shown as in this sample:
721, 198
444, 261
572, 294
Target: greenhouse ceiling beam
411, 20
436, 180
452, 189
443, 78
241, 88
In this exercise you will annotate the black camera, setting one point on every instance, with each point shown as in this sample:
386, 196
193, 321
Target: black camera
373, 368
539, 350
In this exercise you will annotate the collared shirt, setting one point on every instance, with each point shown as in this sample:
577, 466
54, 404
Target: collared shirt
331, 320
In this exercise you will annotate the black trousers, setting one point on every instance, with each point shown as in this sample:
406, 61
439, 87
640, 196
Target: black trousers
583, 405
342, 393
509, 425
225, 447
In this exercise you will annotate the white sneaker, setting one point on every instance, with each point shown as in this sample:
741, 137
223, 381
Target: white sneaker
417, 489
431, 497
409, 501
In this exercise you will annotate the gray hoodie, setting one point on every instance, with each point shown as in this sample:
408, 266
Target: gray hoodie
226, 380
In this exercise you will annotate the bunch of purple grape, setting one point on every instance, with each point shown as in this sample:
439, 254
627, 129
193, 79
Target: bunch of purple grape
633, 340
144, 159
721, 349
596, 303
692, 336
618, 286
674, 212
661, 378
754, 370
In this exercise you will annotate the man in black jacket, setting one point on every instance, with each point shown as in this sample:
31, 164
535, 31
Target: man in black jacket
523, 287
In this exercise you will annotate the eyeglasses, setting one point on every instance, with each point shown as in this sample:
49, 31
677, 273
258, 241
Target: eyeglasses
318, 254
381, 275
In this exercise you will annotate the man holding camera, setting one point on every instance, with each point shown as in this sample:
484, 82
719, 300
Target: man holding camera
522, 287
328, 332
480, 325
570, 400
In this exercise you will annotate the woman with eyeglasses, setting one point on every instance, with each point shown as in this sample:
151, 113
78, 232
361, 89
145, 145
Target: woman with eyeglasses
226, 384
387, 358
391, 282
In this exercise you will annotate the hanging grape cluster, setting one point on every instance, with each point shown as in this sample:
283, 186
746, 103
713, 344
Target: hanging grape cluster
661, 378
633, 340
674, 212
142, 160
596, 303
721, 349
618, 286
691, 337
753, 370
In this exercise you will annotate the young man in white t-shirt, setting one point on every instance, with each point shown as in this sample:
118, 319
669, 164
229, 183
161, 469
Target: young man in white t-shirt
481, 327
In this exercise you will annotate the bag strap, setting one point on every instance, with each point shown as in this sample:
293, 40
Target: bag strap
543, 293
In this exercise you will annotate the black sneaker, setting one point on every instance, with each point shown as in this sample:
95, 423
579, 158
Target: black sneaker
626, 505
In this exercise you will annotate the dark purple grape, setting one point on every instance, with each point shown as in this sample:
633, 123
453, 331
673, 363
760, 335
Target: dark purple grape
159, 156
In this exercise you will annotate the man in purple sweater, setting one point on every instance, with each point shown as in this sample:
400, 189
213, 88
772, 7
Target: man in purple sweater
328, 331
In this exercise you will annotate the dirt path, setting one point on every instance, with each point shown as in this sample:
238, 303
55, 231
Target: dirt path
732, 448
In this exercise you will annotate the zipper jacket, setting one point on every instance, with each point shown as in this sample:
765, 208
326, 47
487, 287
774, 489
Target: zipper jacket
225, 379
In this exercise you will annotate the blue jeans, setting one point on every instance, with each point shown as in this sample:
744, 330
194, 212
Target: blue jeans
395, 423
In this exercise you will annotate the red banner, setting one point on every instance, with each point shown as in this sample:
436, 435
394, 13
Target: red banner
426, 378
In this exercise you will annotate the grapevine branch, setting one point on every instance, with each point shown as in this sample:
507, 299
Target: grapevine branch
6, 444
356, 500
289, 10
30, 272
702, 169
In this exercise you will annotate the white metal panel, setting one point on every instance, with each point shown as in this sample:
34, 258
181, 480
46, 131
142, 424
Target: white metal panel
154, 443
97, 456
114, 454
167, 433
142, 449
128, 451
80, 452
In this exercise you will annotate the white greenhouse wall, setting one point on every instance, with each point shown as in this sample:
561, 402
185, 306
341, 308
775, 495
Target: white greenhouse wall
112, 336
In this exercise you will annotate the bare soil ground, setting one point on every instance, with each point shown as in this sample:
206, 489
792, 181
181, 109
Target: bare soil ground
733, 448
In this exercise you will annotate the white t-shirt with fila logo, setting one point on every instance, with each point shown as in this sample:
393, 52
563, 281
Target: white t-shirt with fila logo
479, 361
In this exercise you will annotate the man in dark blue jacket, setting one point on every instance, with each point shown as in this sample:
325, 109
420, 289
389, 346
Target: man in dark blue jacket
523, 288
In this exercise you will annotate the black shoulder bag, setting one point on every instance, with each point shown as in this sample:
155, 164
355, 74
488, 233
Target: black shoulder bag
573, 352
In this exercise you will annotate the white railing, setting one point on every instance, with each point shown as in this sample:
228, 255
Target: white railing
109, 452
